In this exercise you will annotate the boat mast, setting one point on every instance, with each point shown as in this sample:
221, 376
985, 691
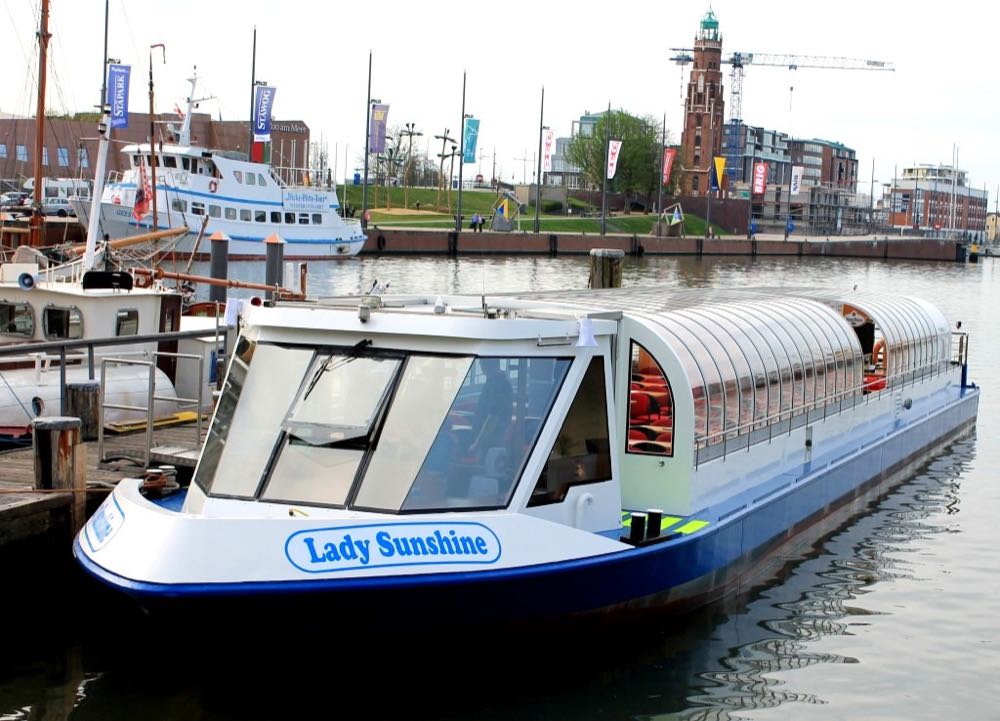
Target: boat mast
43, 51
253, 87
152, 133
104, 133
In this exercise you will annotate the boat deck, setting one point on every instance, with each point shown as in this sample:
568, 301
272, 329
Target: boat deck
26, 513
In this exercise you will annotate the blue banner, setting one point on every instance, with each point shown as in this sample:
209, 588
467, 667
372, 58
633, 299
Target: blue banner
118, 76
380, 116
262, 102
470, 138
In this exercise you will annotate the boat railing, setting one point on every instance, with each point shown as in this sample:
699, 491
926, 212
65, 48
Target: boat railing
151, 397
295, 177
85, 350
741, 437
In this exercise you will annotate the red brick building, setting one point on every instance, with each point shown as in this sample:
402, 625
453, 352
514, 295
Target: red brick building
701, 139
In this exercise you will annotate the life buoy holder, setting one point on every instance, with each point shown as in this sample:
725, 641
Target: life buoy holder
213, 185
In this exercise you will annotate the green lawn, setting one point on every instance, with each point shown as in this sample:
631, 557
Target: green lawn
479, 201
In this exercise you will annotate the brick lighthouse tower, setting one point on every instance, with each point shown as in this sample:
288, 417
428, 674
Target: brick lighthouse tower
701, 140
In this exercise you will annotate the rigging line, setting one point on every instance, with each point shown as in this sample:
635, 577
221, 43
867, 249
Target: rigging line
13, 24
131, 32
16, 397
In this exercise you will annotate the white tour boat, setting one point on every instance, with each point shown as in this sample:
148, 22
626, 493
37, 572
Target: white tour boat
247, 201
515, 457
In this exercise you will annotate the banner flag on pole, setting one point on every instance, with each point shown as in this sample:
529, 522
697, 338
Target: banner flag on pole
796, 185
717, 171
263, 100
759, 178
118, 77
380, 116
668, 163
471, 135
548, 147
614, 148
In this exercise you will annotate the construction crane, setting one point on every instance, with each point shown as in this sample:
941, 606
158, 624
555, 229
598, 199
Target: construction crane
739, 61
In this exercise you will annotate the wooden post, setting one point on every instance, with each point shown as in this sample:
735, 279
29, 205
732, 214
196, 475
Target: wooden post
61, 461
606, 268
83, 401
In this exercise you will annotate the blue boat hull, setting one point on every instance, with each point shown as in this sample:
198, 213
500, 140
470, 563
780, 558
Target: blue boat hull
677, 574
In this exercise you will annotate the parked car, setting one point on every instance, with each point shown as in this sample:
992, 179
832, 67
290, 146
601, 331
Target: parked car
12, 200
57, 206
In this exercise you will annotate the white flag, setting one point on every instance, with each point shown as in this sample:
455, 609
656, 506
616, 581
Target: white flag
796, 185
614, 147
548, 146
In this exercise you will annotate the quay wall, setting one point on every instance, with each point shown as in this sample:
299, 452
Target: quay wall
408, 241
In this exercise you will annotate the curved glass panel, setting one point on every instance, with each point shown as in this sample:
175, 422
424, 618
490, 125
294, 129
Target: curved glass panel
651, 406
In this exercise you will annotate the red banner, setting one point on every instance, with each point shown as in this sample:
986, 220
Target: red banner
759, 178
668, 163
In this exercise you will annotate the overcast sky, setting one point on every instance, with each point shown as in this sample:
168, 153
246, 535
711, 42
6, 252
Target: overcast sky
941, 95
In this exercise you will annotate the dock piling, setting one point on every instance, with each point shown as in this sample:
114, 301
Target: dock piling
61, 461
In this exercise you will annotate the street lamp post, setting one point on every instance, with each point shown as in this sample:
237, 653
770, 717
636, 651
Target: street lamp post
538, 178
461, 161
407, 174
368, 145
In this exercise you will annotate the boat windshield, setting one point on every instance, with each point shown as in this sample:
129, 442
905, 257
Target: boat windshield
350, 427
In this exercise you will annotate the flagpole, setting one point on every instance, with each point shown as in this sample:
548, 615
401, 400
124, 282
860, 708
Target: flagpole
538, 179
659, 187
461, 161
253, 85
152, 134
368, 144
604, 185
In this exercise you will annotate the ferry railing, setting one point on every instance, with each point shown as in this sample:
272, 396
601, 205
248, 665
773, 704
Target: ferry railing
710, 446
151, 397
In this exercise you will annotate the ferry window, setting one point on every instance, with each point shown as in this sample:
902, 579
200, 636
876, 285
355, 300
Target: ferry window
215, 211
582, 450
195, 168
303, 218
317, 219
260, 179
290, 218
186, 163
275, 216
169, 161
230, 213
62, 323
179, 205
238, 175
17, 319
251, 180
651, 406
475, 453
127, 322
260, 216
328, 426
245, 214
197, 208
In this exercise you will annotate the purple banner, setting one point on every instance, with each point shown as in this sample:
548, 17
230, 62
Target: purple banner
263, 100
118, 76
380, 114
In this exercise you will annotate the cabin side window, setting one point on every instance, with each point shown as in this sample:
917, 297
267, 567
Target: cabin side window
179, 205
260, 216
582, 450
303, 218
245, 214
17, 320
275, 216
186, 163
169, 161
317, 219
197, 208
230, 213
214, 211
651, 406
260, 179
238, 176
62, 323
290, 218
251, 180
127, 322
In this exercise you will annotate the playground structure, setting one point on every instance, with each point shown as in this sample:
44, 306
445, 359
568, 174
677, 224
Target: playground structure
506, 210
670, 222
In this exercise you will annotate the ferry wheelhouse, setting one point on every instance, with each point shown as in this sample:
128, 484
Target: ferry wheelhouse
499, 458
223, 191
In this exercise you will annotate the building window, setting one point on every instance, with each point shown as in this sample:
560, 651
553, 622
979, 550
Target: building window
45, 155
694, 184
62, 155
82, 159
3, 150
22, 154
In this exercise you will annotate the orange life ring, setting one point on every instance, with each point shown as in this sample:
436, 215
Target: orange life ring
879, 347
213, 185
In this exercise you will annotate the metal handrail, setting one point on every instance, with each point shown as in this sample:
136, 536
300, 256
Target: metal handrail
854, 392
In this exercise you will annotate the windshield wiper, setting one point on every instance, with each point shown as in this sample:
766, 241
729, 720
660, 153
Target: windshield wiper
348, 355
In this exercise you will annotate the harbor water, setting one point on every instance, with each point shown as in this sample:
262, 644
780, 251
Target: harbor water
894, 615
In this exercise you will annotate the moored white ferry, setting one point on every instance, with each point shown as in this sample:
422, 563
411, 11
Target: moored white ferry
247, 201
514, 457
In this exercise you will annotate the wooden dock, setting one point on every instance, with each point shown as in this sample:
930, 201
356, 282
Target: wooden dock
26, 513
